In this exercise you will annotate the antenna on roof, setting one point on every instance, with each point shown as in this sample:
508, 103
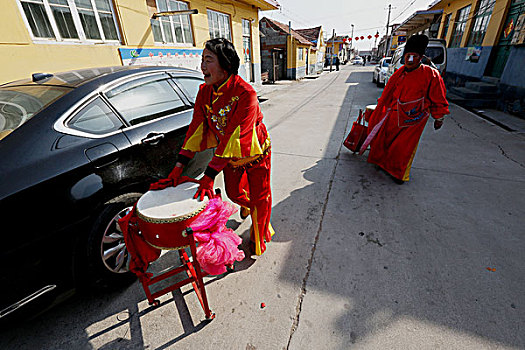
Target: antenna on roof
36, 77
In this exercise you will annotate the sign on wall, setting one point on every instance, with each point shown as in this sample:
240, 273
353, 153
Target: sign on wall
185, 58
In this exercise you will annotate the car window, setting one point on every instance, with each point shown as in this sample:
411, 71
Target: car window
436, 54
145, 99
386, 62
19, 103
95, 118
190, 86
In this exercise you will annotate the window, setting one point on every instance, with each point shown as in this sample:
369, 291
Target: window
96, 118
219, 24
145, 99
172, 29
246, 40
459, 26
300, 54
481, 21
190, 86
445, 26
71, 19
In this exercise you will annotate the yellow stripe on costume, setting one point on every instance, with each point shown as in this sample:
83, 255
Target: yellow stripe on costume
406, 176
256, 233
194, 142
255, 149
233, 147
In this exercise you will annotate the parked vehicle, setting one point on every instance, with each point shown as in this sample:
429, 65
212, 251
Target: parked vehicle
78, 149
357, 60
380, 70
436, 51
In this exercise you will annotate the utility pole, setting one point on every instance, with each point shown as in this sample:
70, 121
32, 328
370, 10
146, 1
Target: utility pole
351, 41
387, 46
333, 49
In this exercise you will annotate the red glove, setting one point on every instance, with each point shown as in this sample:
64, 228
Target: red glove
175, 174
205, 188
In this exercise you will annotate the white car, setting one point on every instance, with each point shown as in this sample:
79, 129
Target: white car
380, 71
357, 60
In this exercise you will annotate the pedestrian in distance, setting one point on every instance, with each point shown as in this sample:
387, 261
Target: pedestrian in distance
337, 62
412, 94
227, 117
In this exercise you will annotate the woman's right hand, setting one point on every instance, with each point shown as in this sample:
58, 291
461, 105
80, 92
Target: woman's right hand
176, 173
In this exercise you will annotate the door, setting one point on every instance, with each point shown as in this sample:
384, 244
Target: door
500, 53
157, 119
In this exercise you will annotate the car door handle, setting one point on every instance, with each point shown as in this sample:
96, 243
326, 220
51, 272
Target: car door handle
152, 139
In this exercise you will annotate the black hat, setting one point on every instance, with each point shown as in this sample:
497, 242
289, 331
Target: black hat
416, 43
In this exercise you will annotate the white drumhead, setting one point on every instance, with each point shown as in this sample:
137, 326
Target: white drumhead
171, 202
371, 107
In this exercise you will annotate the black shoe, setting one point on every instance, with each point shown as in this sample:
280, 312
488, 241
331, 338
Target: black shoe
398, 181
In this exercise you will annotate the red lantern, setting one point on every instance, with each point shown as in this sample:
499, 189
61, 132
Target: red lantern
376, 36
350, 39
344, 40
369, 37
362, 37
356, 38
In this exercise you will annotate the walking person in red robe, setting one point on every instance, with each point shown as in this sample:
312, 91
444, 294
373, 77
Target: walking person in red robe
227, 117
413, 94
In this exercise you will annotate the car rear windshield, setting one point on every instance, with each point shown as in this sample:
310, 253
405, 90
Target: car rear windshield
19, 103
436, 55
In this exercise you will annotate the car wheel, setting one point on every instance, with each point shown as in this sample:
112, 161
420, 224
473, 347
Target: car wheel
106, 255
374, 78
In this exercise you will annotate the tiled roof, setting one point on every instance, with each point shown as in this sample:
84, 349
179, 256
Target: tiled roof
284, 28
311, 34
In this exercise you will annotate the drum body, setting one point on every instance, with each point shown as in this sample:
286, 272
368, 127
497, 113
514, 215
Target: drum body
163, 215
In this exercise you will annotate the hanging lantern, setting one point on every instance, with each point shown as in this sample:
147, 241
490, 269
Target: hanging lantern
376, 36
350, 39
344, 40
362, 37
356, 38
369, 37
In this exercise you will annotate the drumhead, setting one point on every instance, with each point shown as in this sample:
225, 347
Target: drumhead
371, 107
170, 204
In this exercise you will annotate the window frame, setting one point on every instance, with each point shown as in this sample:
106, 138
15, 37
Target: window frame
82, 38
480, 20
229, 22
446, 25
172, 24
462, 16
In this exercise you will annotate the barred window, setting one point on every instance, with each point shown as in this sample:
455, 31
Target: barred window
481, 21
172, 29
445, 26
459, 26
219, 24
79, 20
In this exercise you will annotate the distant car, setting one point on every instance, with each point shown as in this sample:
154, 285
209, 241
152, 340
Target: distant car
436, 51
380, 70
357, 60
78, 149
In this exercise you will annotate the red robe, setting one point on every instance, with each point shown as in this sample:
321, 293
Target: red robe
407, 101
230, 119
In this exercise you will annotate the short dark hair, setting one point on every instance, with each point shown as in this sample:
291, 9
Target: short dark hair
226, 53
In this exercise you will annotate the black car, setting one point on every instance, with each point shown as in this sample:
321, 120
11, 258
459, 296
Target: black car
77, 149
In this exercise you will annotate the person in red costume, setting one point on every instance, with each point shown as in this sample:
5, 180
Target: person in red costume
227, 117
413, 93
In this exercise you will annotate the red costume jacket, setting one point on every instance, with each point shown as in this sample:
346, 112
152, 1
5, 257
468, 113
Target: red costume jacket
229, 119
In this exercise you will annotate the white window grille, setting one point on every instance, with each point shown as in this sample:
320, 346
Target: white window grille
70, 20
172, 29
219, 24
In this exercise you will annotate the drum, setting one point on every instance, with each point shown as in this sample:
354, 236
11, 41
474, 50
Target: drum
368, 112
163, 215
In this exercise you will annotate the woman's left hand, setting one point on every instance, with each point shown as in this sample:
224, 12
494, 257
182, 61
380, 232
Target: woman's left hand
205, 188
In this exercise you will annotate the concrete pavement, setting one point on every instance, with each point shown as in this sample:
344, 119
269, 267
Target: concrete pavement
357, 261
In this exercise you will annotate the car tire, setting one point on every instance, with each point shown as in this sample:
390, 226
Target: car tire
374, 78
106, 257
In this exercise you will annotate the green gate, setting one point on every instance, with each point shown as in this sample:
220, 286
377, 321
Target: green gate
500, 53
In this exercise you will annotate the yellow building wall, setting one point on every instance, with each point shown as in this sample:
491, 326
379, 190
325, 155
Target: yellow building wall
493, 29
20, 56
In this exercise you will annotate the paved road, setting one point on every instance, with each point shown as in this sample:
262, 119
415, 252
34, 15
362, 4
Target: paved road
357, 261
